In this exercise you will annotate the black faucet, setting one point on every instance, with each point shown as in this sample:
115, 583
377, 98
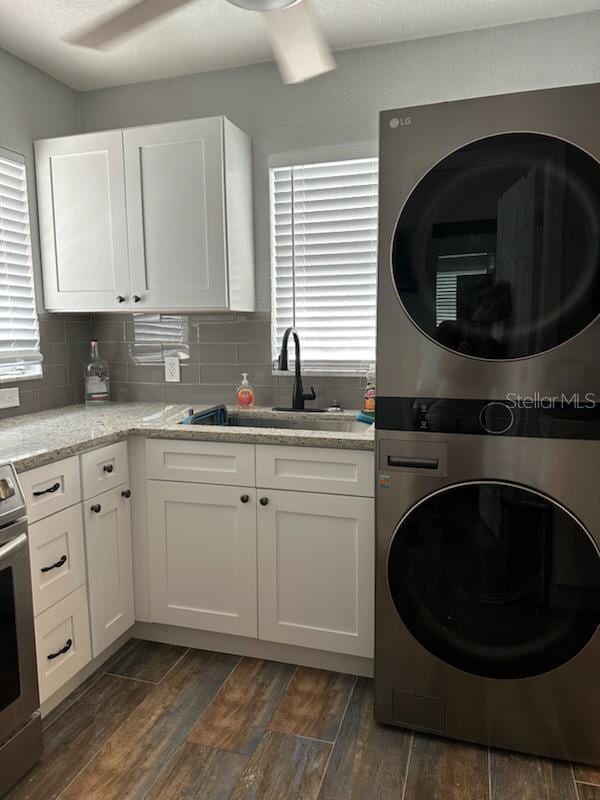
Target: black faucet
298, 394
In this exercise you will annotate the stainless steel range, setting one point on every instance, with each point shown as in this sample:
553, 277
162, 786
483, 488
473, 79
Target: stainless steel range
20, 721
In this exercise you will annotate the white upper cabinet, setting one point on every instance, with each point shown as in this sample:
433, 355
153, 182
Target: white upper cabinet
83, 231
155, 218
176, 229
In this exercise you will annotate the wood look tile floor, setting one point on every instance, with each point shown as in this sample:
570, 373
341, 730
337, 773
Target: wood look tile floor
159, 722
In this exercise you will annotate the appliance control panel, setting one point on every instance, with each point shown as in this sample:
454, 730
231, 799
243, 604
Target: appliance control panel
488, 417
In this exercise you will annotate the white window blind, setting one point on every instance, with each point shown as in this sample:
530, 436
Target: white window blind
324, 261
19, 330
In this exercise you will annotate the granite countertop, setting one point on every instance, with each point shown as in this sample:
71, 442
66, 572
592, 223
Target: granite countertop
32, 440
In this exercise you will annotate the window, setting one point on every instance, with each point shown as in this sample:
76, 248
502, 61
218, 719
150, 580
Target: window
19, 331
324, 262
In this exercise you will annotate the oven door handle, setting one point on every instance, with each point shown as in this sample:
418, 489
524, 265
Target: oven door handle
13, 546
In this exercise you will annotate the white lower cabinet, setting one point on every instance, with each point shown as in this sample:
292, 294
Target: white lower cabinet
107, 521
316, 570
202, 556
62, 639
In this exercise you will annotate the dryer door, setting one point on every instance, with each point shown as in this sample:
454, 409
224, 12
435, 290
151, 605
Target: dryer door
495, 579
496, 252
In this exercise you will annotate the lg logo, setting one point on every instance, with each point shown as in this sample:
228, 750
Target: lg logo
400, 123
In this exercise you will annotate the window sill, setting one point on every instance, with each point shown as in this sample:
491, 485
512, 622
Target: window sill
16, 378
323, 373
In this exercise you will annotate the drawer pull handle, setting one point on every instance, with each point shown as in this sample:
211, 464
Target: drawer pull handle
126, 493
108, 468
50, 490
136, 298
62, 651
264, 501
244, 498
413, 462
96, 508
58, 564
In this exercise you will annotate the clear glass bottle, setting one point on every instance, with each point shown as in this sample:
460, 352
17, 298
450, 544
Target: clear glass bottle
97, 378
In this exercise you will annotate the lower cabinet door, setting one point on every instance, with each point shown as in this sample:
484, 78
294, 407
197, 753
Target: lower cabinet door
203, 556
62, 641
316, 570
109, 566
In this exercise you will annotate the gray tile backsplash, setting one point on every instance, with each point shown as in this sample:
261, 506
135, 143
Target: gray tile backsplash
64, 342
219, 348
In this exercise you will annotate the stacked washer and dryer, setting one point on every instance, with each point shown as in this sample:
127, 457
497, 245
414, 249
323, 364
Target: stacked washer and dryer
488, 421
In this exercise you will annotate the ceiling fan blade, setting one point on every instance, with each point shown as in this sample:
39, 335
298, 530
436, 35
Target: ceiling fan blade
298, 42
112, 29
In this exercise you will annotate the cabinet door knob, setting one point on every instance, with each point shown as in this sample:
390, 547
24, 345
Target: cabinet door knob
96, 508
244, 498
264, 501
126, 493
108, 468
120, 298
136, 298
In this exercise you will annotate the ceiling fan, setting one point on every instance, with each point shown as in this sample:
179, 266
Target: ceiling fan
298, 42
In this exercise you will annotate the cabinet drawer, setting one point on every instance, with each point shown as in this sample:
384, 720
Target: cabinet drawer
312, 469
57, 557
51, 488
200, 462
104, 469
62, 641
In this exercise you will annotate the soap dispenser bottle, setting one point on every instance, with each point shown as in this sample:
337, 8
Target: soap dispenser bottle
245, 393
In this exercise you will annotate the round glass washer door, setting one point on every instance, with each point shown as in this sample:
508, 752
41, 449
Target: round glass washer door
495, 580
496, 252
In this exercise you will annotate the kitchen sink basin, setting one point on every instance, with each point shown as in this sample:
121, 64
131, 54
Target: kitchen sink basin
301, 423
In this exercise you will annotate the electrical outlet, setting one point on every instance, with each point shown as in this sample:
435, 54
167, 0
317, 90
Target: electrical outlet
172, 369
9, 398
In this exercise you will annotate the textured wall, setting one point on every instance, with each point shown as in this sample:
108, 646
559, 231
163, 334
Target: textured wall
35, 106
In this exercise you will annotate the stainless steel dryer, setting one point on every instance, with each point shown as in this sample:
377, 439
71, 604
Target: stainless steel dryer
488, 576
489, 247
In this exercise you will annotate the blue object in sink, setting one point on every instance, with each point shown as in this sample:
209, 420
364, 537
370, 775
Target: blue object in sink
216, 415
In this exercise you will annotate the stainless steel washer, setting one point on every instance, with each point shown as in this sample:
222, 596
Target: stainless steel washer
489, 246
488, 586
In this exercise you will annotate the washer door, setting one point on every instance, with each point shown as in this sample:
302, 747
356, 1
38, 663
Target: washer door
496, 252
495, 579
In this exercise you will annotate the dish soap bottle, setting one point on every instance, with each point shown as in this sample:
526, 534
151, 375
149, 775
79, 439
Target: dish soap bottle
369, 396
245, 393
97, 378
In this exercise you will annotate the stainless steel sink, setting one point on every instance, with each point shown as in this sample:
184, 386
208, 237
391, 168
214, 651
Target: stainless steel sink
301, 423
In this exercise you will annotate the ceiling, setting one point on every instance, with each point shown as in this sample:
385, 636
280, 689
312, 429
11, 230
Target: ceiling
212, 34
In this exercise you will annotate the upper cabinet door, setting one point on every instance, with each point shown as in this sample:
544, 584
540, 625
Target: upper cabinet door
83, 230
176, 215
